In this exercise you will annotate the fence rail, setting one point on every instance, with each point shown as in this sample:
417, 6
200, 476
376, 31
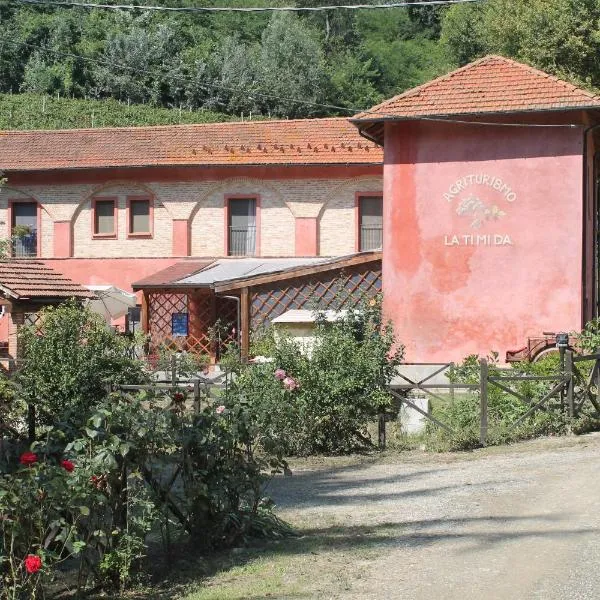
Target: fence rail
570, 386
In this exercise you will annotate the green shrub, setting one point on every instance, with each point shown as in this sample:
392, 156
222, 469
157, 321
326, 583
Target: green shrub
588, 340
463, 413
320, 402
68, 360
133, 462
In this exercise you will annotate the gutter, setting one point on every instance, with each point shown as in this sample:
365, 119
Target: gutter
584, 266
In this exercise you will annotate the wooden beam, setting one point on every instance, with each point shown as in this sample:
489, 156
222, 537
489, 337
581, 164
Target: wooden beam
245, 323
145, 318
304, 271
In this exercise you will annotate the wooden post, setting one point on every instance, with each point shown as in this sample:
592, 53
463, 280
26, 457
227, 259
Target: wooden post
382, 432
31, 423
245, 323
145, 318
570, 379
483, 392
197, 406
598, 382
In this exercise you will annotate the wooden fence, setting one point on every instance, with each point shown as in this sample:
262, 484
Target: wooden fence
571, 386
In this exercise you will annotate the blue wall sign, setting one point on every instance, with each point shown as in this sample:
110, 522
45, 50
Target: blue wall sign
179, 324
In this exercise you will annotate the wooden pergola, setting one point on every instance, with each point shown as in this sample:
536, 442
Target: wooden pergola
26, 286
185, 305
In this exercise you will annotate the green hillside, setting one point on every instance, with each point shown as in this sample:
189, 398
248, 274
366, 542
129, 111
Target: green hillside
280, 65
34, 111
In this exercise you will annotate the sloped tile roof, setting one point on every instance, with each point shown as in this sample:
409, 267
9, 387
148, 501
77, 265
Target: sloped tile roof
331, 141
21, 279
493, 84
173, 274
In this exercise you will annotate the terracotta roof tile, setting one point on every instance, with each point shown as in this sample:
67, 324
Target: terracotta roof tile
331, 141
21, 279
492, 84
172, 274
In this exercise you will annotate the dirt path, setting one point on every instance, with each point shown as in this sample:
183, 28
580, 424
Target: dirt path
516, 523
519, 523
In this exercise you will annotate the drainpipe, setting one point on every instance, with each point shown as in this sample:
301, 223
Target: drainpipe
586, 190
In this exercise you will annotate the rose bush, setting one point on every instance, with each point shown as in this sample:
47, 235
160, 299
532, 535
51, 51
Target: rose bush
320, 402
42, 507
106, 470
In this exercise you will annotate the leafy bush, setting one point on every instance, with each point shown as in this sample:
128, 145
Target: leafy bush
106, 469
463, 413
320, 401
589, 338
41, 505
68, 360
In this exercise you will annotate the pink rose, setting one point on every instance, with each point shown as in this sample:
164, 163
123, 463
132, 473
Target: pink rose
280, 374
290, 383
220, 409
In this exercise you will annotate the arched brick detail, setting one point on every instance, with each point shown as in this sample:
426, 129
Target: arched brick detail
85, 245
337, 219
207, 219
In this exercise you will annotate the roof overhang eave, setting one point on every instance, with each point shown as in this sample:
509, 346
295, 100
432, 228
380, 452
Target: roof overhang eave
10, 294
298, 271
455, 116
140, 286
38, 169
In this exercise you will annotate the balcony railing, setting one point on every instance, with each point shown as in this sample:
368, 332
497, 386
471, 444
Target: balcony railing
371, 238
242, 241
25, 246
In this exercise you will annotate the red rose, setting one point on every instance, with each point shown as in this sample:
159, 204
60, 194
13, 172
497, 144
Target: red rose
33, 563
178, 397
67, 465
99, 482
28, 458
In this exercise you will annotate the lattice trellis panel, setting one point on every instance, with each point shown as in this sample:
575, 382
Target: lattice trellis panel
33, 319
203, 309
316, 292
161, 307
199, 308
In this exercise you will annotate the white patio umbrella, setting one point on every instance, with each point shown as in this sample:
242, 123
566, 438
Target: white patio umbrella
111, 302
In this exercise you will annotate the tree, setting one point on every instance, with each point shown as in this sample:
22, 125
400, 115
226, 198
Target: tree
290, 65
353, 81
66, 368
558, 36
227, 80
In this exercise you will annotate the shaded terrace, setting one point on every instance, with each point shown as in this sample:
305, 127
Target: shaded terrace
200, 306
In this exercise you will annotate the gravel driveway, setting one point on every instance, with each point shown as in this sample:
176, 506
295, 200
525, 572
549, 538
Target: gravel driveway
520, 522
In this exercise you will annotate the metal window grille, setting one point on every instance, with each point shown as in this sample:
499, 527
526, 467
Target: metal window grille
371, 223
242, 241
25, 246
371, 238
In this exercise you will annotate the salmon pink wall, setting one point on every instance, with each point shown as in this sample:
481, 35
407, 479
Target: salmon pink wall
307, 236
120, 272
482, 236
4, 328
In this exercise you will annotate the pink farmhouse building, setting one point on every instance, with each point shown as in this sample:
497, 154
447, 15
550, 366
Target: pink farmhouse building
489, 214
115, 206
490, 208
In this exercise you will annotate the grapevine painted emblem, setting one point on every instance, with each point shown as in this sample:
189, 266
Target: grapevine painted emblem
478, 211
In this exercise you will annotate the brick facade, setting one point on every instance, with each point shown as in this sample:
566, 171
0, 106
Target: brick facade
200, 203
